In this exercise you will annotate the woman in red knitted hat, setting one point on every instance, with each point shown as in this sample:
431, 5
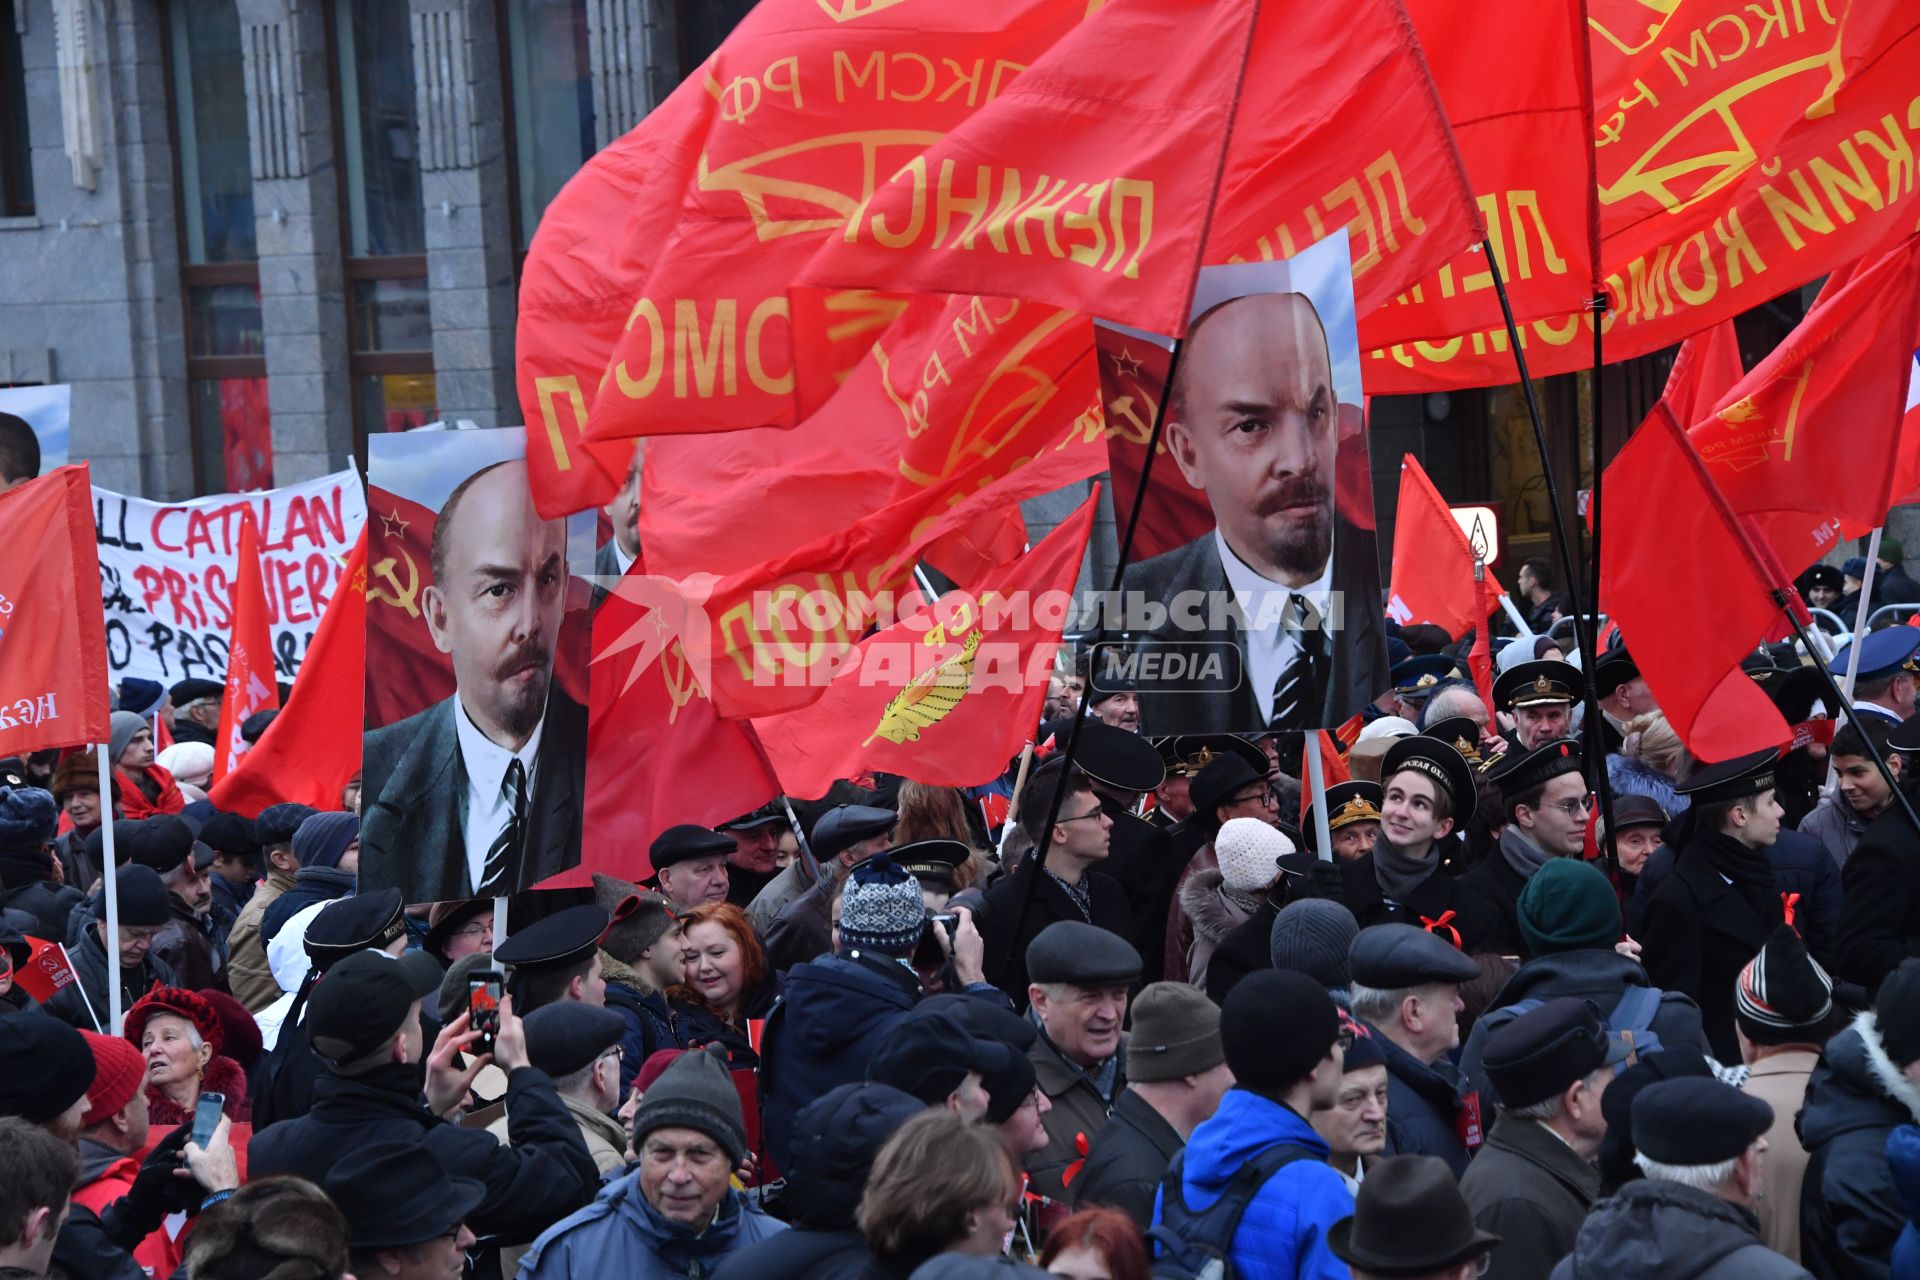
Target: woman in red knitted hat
178, 1032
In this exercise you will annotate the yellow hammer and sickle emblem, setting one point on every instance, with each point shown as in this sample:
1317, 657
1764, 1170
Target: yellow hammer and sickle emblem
405, 596
677, 672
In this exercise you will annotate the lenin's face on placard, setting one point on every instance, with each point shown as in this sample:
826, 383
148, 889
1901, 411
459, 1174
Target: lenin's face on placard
499, 590
1254, 422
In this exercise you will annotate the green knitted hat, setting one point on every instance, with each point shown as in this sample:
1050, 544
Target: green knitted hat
1568, 905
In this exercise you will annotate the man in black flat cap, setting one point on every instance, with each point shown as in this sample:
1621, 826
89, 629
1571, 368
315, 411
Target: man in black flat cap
1721, 903
144, 912
850, 833
846, 836
1427, 791
557, 958
1539, 695
1621, 693
690, 865
1691, 1217
406, 1215
1068, 887
1409, 1220
364, 1020
190, 945
196, 709
1535, 1180
1116, 703
1078, 979
1544, 796
755, 861
1406, 989
283, 1082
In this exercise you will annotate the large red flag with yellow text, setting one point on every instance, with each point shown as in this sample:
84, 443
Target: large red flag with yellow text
312, 749
948, 694
1688, 591
1433, 578
252, 684
53, 640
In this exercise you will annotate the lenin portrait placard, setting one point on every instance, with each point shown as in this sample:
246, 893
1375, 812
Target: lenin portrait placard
474, 765
1263, 612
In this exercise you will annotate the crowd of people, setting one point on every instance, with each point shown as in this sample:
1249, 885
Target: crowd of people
1143, 1025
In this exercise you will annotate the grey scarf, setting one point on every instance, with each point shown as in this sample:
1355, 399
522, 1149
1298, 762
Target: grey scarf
1522, 854
1400, 873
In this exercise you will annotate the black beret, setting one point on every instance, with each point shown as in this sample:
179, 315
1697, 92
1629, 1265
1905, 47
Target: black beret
1212, 786
193, 689
844, 826
346, 925
563, 938
1395, 957
15, 944
564, 1037
929, 1057
1081, 955
162, 842
1548, 1048
685, 843
45, 1066
1122, 760
1696, 1120
1542, 682
256, 724
143, 900
1519, 772
1614, 668
1734, 779
983, 1019
1439, 762
230, 833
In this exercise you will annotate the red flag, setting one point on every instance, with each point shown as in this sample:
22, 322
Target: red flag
949, 693
1690, 617
252, 684
1333, 766
1433, 577
1480, 657
1906, 466
53, 640
312, 749
47, 971
1807, 443
1705, 369
657, 753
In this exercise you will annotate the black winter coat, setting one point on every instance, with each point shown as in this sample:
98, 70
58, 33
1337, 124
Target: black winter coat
1664, 1231
1143, 862
1698, 934
1247, 948
1531, 1189
799, 1255
546, 1174
42, 909
90, 969
1006, 949
1442, 905
1801, 866
1850, 1214
695, 1026
1881, 882
1127, 1160
1423, 1108
649, 1027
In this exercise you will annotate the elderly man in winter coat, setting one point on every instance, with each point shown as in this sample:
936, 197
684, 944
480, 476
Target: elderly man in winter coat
674, 1213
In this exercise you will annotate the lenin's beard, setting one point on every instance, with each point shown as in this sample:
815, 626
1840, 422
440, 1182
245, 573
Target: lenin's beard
1297, 544
520, 700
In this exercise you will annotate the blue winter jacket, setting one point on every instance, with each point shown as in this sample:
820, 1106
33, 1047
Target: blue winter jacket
619, 1234
1903, 1157
1284, 1232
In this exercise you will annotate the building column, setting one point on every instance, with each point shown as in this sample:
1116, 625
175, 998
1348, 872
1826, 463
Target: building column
633, 55
463, 186
296, 202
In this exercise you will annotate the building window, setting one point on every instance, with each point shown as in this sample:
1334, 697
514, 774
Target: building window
16, 155
552, 101
219, 273
390, 329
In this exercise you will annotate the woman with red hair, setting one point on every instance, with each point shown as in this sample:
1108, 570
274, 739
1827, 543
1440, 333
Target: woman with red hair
1097, 1244
180, 1035
727, 982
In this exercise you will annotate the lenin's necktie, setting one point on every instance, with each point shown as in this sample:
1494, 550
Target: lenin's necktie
501, 874
1300, 694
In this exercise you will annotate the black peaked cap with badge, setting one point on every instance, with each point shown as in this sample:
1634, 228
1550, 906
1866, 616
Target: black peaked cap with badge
1398, 957
359, 923
395, 1194
1519, 772
1462, 733
1548, 1048
1417, 676
1734, 779
932, 862
1186, 754
364, 999
684, 843
1347, 803
1081, 955
1696, 1120
565, 1037
846, 825
1114, 757
1542, 682
1439, 762
771, 811
556, 941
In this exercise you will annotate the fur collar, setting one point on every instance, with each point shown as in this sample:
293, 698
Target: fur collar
619, 971
1885, 1074
223, 1075
1214, 913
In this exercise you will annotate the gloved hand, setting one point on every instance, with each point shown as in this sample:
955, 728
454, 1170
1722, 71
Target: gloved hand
1323, 880
158, 1190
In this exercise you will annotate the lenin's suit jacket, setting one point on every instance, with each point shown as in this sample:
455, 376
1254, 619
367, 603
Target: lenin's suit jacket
414, 789
1359, 649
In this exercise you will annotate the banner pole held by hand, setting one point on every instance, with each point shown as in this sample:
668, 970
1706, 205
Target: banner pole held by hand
1317, 779
110, 888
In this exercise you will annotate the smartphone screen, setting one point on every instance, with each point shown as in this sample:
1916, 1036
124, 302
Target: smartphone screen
206, 1117
484, 990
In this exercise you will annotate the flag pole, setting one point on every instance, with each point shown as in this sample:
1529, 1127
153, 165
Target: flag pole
1860, 613
110, 888
499, 922
1317, 779
1039, 855
808, 862
1514, 615
1013, 801
1582, 632
1598, 307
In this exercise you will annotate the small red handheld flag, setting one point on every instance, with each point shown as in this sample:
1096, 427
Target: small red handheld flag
252, 684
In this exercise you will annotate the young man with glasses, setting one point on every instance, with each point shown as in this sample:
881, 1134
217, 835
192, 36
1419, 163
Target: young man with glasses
1545, 798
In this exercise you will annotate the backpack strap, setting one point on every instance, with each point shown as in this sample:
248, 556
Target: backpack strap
1217, 1224
1634, 1016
